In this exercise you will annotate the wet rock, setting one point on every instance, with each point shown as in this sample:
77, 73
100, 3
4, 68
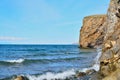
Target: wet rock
80, 74
21, 78
105, 62
88, 72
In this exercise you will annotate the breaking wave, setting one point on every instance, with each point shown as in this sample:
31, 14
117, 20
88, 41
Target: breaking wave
39, 60
96, 65
52, 76
16, 61
66, 74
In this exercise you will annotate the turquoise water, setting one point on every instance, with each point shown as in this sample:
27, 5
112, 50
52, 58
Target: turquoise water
38, 62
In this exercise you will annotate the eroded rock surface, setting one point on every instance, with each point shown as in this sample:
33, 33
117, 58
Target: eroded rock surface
91, 33
104, 30
110, 59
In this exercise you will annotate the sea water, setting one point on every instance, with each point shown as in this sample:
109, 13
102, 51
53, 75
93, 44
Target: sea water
39, 62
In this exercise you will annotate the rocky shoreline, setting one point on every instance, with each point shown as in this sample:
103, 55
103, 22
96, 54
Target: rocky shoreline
110, 41
88, 75
101, 30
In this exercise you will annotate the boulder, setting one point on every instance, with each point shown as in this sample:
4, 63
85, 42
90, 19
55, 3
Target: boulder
19, 78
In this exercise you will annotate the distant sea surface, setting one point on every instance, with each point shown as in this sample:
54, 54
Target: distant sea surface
38, 62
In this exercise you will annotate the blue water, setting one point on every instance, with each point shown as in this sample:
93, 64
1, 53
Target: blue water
41, 59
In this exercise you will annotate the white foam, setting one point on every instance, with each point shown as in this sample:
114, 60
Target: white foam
64, 75
96, 65
15, 61
53, 76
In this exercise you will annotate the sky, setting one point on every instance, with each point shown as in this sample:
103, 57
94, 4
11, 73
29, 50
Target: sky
45, 21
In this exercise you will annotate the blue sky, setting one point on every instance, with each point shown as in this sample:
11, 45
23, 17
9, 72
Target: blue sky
45, 21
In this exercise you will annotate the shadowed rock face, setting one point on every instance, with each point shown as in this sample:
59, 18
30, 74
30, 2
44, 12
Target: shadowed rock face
111, 43
91, 33
112, 30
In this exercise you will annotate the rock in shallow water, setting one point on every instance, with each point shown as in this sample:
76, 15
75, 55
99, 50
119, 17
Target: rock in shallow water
80, 74
21, 78
88, 72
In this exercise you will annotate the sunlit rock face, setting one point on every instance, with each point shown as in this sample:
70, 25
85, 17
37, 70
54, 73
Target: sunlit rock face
104, 30
91, 33
111, 43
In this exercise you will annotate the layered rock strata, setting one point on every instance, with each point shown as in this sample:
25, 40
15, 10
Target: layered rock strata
91, 33
103, 30
110, 59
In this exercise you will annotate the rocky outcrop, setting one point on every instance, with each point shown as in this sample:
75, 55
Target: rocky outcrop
91, 33
105, 30
110, 59
21, 78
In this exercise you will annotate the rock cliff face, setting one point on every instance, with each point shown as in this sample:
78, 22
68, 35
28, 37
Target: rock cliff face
110, 59
106, 31
91, 33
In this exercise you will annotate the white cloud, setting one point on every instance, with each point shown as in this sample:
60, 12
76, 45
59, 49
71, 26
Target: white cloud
7, 38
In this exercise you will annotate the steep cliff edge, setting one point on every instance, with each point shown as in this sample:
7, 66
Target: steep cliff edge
110, 59
104, 30
91, 33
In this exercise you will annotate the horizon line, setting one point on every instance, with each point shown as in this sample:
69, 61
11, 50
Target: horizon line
38, 44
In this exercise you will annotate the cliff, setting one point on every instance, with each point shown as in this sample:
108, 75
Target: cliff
91, 33
104, 30
110, 59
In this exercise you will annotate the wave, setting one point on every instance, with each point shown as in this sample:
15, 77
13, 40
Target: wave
52, 76
38, 60
66, 74
15, 61
96, 65
26, 49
